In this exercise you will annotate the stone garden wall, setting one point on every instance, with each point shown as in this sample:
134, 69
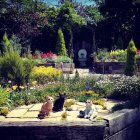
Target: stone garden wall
121, 125
112, 67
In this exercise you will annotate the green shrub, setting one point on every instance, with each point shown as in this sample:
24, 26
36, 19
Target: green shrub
77, 76
3, 97
127, 87
104, 86
12, 67
131, 59
88, 95
15, 42
64, 59
60, 46
28, 65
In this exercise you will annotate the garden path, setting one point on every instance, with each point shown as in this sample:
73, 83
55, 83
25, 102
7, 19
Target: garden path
82, 73
30, 113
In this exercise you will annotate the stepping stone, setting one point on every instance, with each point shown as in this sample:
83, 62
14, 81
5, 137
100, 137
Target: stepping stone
80, 104
73, 113
103, 113
56, 114
18, 113
31, 114
25, 107
2, 118
36, 107
74, 107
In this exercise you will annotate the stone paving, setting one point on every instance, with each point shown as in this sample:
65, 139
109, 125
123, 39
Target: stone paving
30, 113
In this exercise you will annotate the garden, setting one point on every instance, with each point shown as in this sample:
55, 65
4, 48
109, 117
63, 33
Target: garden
24, 82
34, 55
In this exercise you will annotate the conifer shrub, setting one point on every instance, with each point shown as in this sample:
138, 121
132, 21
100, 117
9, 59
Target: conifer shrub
131, 59
12, 66
60, 46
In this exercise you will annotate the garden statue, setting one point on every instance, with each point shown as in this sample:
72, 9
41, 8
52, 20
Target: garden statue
89, 112
46, 108
59, 103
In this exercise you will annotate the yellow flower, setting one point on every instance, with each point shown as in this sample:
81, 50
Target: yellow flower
34, 83
14, 87
21, 87
8, 90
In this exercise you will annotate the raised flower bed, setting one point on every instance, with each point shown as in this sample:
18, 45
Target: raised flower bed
49, 59
113, 62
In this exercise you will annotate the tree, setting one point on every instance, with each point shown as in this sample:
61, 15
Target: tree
69, 21
131, 59
121, 21
93, 17
60, 46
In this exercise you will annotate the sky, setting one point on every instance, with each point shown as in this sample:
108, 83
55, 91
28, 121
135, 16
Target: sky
55, 2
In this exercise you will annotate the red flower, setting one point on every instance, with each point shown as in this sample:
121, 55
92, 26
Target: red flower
138, 51
47, 55
33, 57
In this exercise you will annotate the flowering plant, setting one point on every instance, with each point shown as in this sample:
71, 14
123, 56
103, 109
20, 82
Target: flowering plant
138, 54
119, 55
113, 55
48, 55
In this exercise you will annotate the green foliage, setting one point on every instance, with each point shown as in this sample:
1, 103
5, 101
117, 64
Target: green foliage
15, 42
28, 64
6, 42
93, 15
131, 59
3, 97
77, 77
104, 87
64, 59
12, 67
67, 15
60, 46
126, 87
87, 95
102, 54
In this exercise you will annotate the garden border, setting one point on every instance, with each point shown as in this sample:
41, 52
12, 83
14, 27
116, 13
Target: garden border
120, 125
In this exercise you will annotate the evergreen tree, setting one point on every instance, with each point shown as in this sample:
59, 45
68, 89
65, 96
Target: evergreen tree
60, 46
12, 66
131, 59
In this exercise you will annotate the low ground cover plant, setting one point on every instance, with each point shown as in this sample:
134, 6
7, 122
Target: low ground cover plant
93, 88
44, 74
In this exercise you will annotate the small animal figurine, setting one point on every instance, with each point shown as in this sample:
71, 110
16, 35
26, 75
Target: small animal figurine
89, 112
59, 103
46, 108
